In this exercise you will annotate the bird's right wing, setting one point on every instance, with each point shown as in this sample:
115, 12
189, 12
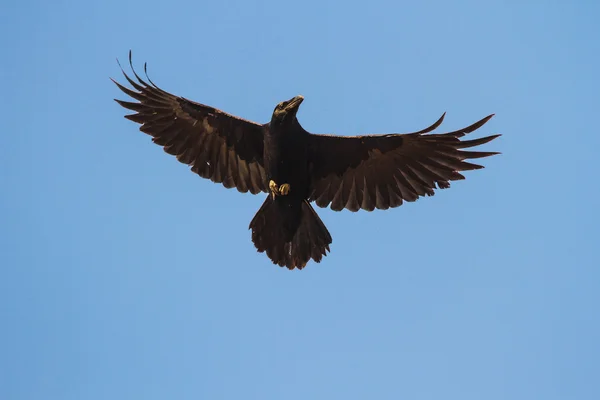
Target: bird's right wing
218, 146
382, 171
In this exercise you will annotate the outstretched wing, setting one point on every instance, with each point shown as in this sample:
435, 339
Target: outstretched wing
218, 146
383, 171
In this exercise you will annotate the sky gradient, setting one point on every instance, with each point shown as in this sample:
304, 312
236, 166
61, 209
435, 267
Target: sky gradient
126, 276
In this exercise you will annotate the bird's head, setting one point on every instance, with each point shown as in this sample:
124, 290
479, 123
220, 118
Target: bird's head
286, 110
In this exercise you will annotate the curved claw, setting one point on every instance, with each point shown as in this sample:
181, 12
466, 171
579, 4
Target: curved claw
273, 188
284, 189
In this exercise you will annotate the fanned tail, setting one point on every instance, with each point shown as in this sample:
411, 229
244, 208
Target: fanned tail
290, 232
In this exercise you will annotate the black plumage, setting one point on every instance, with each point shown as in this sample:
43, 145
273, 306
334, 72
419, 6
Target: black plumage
296, 167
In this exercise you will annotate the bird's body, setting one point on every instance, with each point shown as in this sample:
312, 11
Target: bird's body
296, 167
285, 155
286, 226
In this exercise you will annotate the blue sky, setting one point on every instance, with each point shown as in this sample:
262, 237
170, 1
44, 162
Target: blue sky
126, 276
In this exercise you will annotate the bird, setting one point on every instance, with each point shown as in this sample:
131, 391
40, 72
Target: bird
296, 168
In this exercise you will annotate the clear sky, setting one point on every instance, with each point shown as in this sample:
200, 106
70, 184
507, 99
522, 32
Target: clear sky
126, 276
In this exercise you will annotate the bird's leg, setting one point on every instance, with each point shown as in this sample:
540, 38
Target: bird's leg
284, 189
273, 188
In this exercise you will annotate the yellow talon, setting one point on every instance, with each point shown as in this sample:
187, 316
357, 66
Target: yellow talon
273, 188
284, 189
276, 190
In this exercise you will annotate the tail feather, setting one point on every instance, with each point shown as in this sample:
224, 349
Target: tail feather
290, 232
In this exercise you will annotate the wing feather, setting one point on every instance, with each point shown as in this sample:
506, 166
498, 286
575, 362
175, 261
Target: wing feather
216, 145
383, 171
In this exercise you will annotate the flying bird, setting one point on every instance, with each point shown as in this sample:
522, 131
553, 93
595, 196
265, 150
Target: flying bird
295, 167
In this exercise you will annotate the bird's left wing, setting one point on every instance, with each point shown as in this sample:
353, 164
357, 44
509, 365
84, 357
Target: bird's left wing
218, 146
382, 171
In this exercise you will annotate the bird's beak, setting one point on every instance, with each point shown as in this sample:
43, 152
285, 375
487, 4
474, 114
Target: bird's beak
295, 102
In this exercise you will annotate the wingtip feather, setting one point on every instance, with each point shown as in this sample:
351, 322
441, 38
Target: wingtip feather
433, 126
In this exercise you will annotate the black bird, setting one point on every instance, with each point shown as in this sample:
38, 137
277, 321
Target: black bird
296, 167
